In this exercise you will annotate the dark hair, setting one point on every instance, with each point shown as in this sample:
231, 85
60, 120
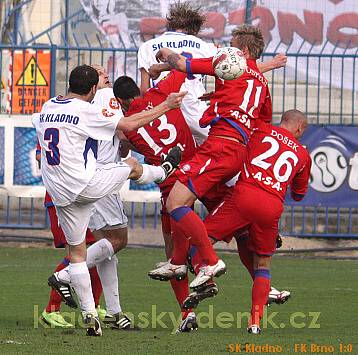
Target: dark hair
251, 37
82, 79
182, 16
125, 88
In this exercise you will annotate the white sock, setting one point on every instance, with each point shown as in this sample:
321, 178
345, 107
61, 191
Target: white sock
81, 282
107, 271
98, 252
151, 174
64, 276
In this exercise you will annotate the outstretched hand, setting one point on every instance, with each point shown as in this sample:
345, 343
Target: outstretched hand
174, 99
279, 60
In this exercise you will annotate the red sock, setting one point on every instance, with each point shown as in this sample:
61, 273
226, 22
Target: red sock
54, 303
246, 255
196, 260
181, 244
190, 225
96, 285
181, 291
260, 293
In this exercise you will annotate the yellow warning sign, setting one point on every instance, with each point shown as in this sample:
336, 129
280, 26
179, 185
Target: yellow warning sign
32, 75
2, 85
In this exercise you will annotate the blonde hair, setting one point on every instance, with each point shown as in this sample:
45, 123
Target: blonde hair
250, 37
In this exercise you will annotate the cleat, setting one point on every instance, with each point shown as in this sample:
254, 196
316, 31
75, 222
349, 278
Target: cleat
171, 162
55, 319
278, 297
201, 293
161, 263
206, 273
92, 324
119, 321
254, 329
278, 241
188, 324
63, 289
168, 271
101, 313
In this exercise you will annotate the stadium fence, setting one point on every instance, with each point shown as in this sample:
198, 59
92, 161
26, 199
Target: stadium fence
326, 99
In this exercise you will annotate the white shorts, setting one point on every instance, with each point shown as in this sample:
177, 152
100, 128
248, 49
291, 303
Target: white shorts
108, 179
74, 218
108, 212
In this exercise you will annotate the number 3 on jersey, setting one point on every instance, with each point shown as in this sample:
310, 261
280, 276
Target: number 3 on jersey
163, 126
53, 136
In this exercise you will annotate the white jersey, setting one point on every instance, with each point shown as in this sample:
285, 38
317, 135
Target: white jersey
68, 131
190, 46
108, 152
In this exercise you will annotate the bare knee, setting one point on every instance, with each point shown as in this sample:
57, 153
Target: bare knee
118, 238
179, 196
136, 168
262, 262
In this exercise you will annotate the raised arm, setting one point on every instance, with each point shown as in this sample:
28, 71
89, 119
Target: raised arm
174, 60
144, 80
278, 61
133, 122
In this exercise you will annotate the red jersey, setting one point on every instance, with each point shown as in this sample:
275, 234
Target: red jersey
235, 104
156, 138
276, 160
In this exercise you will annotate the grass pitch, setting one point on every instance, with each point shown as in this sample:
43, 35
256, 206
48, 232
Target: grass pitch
320, 317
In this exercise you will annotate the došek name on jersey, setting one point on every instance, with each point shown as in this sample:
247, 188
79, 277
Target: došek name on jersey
51, 117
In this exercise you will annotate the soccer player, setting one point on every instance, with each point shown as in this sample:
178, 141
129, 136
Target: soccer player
108, 221
184, 23
275, 160
51, 314
234, 108
154, 140
68, 129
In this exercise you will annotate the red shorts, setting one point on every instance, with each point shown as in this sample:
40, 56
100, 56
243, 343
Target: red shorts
216, 161
247, 208
59, 238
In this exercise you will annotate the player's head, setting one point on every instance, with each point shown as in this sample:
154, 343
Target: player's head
249, 39
294, 121
83, 82
183, 17
125, 90
103, 78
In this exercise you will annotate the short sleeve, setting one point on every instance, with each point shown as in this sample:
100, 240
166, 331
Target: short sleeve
200, 66
100, 123
143, 57
299, 183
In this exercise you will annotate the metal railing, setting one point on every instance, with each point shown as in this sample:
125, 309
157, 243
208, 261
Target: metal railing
328, 97
296, 221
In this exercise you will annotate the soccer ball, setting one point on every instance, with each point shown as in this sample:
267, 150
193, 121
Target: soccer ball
229, 63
